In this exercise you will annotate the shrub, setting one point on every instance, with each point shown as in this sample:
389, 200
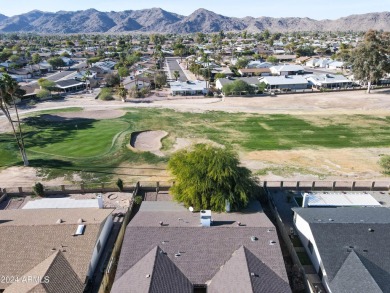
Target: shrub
119, 183
38, 189
106, 95
384, 162
138, 199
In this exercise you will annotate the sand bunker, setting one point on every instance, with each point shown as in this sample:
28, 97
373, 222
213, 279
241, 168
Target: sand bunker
97, 114
148, 141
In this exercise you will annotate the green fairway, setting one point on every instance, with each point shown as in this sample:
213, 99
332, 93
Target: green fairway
93, 145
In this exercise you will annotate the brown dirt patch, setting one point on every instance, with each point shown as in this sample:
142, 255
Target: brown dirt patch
25, 176
5, 126
356, 163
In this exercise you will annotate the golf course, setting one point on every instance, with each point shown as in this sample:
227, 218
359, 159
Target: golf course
61, 142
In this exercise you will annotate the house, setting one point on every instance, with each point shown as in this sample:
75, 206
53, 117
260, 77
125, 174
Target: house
336, 65
139, 81
348, 246
259, 64
285, 58
81, 75
188, 88
20, 74
52, 249
107, 66
67, 61
302, 60
329, 81
168, 248
31, 90
319, 62
287, 70
253, 81
70, 85
286, 82
254, 71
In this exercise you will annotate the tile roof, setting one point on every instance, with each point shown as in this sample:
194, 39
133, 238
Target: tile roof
31, 236
203, 250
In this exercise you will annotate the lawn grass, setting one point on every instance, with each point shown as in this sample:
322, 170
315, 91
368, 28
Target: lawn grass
100, 146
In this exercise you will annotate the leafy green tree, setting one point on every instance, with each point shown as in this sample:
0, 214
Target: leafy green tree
160, 79
43, 93
9, 89
207, 177
242, 63
36, 58
238, 87
370, 60
261, 86
220, 75
272, 59
112, 79
123, 72
56, 62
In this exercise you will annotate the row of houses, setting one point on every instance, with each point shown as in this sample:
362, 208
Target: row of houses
292, 82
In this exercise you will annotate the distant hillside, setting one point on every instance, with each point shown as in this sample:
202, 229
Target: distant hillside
2, 17
159, 20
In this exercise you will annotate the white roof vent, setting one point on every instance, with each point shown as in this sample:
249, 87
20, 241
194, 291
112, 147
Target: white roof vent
253, 238
59, 221
80, 230
205, 218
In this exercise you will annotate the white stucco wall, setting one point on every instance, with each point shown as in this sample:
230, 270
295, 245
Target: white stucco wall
103, 239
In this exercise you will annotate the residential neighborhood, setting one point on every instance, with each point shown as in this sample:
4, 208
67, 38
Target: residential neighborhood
143, 150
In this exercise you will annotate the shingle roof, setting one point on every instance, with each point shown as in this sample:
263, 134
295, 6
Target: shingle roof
372, 249
345, 214
155, 272
203, 250
53, 275
354, 277
31, 236
365, 232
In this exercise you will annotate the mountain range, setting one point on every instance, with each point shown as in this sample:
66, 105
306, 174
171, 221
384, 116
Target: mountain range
160, 21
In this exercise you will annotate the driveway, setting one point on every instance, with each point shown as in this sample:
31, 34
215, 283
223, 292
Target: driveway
173, 66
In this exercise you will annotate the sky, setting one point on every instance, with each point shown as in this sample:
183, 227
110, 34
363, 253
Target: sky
329, 9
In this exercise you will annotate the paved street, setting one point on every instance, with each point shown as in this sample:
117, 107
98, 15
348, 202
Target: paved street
173, 66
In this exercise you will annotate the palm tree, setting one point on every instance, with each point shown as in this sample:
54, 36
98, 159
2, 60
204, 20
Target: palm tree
176, 74
8, 90
122, 93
